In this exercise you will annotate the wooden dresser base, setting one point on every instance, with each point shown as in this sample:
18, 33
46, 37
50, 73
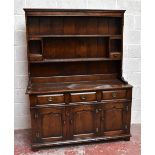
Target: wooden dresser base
125, 137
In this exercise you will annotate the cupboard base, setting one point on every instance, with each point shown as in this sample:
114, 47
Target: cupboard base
36, 146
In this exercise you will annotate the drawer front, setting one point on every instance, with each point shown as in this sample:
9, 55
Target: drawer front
50, 99
83, 97
117, 94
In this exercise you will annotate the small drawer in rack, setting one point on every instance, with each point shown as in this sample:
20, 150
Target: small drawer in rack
50, 99
35, 57
115, 55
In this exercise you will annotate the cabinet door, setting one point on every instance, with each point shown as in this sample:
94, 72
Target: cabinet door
83, 122
114, 118
51, 124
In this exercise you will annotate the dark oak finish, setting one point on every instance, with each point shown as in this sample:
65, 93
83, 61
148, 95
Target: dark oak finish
76, 89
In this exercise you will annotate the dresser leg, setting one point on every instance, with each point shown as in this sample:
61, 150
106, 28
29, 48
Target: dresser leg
127, 139
34, 149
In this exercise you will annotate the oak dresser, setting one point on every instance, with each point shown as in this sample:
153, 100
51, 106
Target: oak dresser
76, 89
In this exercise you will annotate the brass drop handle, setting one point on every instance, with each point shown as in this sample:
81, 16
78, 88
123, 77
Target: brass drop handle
83, 97
71, 121
37, 134
50, 99
114, 94
96, 129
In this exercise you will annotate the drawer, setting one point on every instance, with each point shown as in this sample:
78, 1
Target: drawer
115, 55
116, 94
83, 97
50, 99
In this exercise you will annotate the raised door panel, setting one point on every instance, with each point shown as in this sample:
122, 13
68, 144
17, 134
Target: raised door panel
83, 122
114, 119
52, 124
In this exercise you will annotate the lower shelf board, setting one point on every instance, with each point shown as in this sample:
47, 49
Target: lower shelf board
67, 142
46, 88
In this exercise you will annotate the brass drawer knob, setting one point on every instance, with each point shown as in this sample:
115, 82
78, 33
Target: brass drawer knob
114, 94
50, 99
83, 98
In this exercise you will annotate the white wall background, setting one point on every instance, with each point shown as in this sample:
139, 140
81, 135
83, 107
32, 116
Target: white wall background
132, 49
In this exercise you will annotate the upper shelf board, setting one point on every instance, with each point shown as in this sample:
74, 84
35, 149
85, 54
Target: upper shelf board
73, 12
